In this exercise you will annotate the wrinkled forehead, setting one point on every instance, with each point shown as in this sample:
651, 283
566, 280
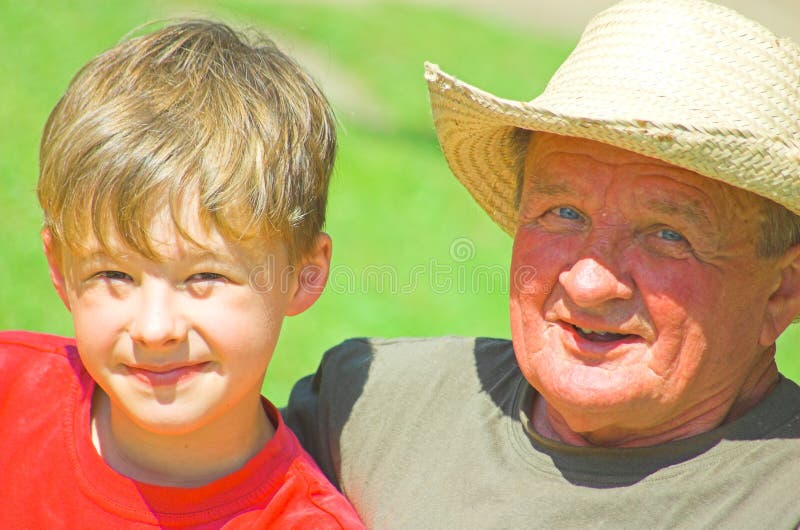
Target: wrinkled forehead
554, 162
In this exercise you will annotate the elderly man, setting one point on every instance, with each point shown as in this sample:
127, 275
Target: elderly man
652, 193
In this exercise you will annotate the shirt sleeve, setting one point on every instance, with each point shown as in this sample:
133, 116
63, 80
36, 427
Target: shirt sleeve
320, 405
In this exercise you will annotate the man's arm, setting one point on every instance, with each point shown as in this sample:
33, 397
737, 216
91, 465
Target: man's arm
320, 405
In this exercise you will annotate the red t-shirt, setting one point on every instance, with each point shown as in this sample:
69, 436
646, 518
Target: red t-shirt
51, 476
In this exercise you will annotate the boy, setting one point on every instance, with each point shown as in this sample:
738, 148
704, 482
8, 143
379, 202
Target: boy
183, 178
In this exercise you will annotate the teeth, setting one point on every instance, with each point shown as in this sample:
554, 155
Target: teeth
589, 331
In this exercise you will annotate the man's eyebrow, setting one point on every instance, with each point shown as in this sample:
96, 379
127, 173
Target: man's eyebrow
549, 189
675, 207
688, 209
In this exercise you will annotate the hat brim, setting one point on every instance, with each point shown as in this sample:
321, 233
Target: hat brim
479, 136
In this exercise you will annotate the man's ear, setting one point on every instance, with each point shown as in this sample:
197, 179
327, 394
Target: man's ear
312, 275
783, 305
53, 254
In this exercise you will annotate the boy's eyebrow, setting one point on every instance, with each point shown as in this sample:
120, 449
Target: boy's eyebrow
199, 254
202, 254
98, 255
192, 255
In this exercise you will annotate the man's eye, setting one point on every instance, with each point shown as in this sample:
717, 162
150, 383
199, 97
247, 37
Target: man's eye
668, 234
565, 212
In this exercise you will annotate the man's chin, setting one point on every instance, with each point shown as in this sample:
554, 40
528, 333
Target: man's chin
595, 394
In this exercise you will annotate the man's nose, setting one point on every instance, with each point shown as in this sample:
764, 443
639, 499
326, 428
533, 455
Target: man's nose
158, 321
589, 282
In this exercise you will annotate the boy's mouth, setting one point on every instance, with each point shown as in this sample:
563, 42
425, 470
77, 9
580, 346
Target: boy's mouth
167, 375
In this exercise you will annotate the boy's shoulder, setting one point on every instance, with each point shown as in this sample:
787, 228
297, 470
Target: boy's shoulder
35, 354
307, 497
31, 340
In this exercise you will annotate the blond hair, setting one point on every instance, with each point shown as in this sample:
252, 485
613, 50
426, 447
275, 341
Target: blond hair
191, 115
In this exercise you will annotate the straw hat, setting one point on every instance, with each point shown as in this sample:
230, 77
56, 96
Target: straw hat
688, 82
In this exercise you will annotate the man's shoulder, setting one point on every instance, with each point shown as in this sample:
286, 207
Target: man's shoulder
777, 416
412, 358
409, 349
383, 368
375, 389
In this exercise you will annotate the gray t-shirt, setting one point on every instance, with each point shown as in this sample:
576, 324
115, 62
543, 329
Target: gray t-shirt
434, 433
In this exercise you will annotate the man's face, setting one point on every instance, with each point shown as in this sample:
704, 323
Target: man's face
637, 299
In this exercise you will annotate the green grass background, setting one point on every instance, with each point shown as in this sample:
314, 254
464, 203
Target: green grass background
413, 255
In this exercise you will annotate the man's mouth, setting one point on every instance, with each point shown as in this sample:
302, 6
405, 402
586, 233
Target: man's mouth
600, 336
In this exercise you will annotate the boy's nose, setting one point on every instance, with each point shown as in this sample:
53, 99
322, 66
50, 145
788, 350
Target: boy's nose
158, 321
590, 283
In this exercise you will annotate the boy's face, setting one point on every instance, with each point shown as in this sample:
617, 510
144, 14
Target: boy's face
181, 343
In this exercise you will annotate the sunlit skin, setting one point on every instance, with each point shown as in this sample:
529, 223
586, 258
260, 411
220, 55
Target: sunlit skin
639, 308
179, 346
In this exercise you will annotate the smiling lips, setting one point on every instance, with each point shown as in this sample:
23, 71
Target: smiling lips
167, 375
600, 336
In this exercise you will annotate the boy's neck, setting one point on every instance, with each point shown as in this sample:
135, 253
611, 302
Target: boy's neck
187, 460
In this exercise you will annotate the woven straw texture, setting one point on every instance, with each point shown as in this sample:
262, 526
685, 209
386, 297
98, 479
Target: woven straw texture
688, 82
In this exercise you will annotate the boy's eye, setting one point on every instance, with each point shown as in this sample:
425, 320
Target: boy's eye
204, 284
113, 275
206, 277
